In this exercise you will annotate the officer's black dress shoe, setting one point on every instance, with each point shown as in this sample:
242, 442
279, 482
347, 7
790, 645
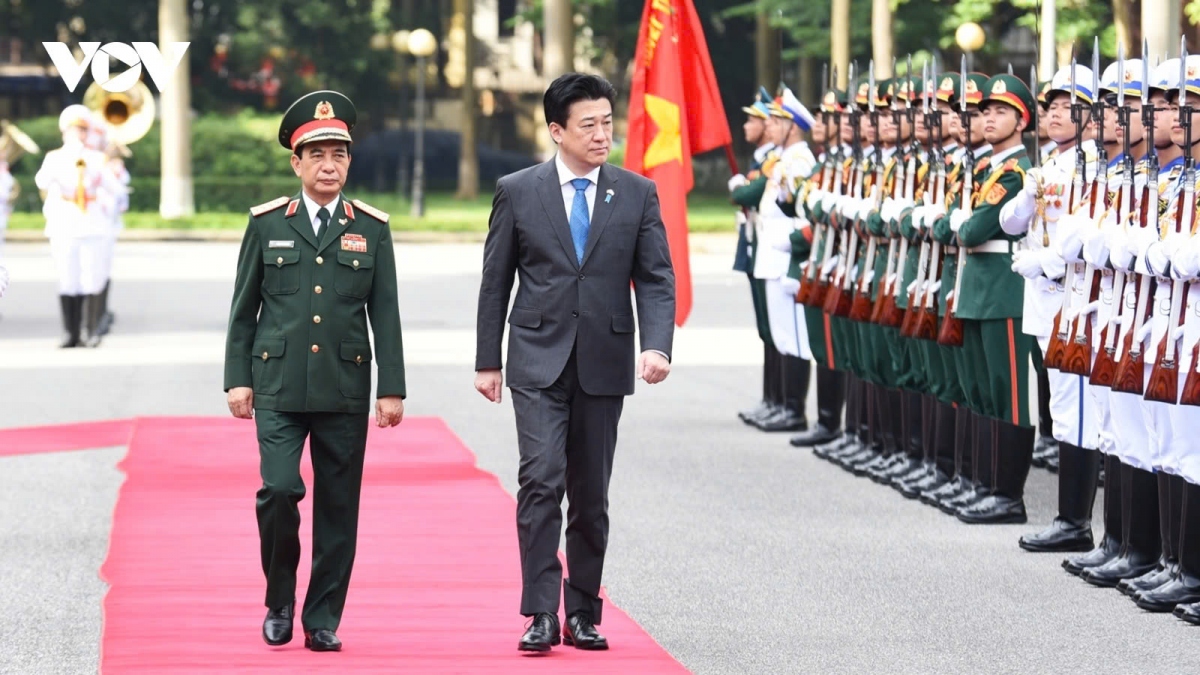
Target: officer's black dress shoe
929, 483
1128, 566
1109, 549
541, 635
1062, 536
785, 420
322, 640
994, 510
580, 633
948, 490
969, 497
1184, 589
1149, 581
1189, 613
815, 435
748, 416
842, 444
277, 627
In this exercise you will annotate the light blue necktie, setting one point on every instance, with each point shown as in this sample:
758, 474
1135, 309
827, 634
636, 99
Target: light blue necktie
579, 217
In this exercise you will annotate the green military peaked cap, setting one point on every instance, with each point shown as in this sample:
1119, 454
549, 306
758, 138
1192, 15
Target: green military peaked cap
1043, 90
319, 116
833, 101
947, 88
1011, 90
972, 90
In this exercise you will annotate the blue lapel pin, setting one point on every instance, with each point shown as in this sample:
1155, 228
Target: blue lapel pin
608, 196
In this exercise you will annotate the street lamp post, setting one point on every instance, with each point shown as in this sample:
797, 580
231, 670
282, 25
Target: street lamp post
421, 44
400, 46
970, 38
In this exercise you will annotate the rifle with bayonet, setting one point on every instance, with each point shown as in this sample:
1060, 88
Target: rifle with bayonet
818, 279
823, 179
950, 334
837, 300
1060, 335
1131, 369
890, 314
924, 326
1164, 377
860, 308
1105, 365
1077, 355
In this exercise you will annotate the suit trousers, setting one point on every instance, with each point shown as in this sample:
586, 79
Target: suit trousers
337, 448
567, 438
79, 263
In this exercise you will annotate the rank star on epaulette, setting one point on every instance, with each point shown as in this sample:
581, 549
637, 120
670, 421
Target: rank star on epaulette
370, 210
268, 206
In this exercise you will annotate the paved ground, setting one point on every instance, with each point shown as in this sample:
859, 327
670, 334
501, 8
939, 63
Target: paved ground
736, 552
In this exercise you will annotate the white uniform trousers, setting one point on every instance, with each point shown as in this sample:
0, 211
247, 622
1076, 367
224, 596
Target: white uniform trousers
1182, 451
786, 318
79, 262
1072, 407
1107, 441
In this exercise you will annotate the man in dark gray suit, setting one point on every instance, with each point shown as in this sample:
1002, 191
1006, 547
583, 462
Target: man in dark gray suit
578, 232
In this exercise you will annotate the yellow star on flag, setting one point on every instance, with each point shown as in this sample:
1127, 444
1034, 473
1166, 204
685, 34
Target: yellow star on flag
667, 145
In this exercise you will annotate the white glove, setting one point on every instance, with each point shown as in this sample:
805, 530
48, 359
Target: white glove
1053, 266
814, 198
889, 209
3, 280
933, 213
934, 287
1032, 178
1095, 241
1026, 264
1184, 255
865, 207
737, 181
1070, 233
1157, 259
1025, 201
790, 286
918, 215
912, 286
828, 200
828, 265
957, 219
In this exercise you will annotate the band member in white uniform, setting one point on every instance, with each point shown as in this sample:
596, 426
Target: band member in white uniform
73, 179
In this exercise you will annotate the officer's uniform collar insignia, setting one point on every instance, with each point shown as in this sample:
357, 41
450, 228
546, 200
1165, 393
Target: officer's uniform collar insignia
293, 206
348, 209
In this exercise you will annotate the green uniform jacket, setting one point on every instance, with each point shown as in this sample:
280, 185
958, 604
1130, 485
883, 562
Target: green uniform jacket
750, 194
941, 228
990, 289
298, 323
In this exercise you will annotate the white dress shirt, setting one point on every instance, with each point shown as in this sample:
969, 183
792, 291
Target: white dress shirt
313, 207
565, 176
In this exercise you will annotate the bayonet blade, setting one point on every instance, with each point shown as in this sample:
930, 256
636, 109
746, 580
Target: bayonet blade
1121, 75
962, 86
871, 87
1146, 74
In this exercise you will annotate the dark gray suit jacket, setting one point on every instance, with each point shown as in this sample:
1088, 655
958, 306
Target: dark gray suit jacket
561, 304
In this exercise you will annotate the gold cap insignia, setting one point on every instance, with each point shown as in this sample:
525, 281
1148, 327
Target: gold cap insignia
1129, 75
830, 98
324, 111
1191, 71
972, 88
947, 84
999, 87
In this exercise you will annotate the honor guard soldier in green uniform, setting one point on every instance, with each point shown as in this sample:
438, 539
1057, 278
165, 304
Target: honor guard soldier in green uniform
990, 305
312, 267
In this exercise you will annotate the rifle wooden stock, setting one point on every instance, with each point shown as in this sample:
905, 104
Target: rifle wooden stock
950, 334
1164, 377
1131, 369
892, 316
1077, 356
908, 326
927, 324
1104, 368
1191, 385
860, 307
1058, 343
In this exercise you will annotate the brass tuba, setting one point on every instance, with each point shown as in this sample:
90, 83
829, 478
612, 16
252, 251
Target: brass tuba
129, 114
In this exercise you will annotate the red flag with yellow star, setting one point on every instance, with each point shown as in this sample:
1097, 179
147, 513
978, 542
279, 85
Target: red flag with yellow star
675, 111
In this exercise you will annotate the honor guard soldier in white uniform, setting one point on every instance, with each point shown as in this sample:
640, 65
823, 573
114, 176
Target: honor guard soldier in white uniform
789, 122
1035, 212
73, 179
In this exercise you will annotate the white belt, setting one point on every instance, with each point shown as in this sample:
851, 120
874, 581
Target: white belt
950, 249
992, 246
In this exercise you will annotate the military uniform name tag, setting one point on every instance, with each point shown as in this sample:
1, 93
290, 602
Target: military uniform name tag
277, 243
354, 242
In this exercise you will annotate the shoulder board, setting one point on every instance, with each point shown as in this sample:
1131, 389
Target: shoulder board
1014, 164
268, 206
370, 210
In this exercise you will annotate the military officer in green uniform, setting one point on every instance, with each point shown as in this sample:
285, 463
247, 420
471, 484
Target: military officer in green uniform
992, 302
311, 269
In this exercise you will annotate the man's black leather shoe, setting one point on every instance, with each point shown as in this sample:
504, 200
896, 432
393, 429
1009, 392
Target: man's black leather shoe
994, 510
1062, 536
816, 435
277, 627
1189, 613
1182, 590
580, 633
1163, 574
541, 635
322, 640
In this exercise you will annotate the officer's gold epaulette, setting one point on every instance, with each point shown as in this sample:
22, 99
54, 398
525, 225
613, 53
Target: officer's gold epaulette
268, 206
370, 210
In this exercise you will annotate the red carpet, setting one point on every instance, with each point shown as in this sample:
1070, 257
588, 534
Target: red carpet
436, 581
64, 437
